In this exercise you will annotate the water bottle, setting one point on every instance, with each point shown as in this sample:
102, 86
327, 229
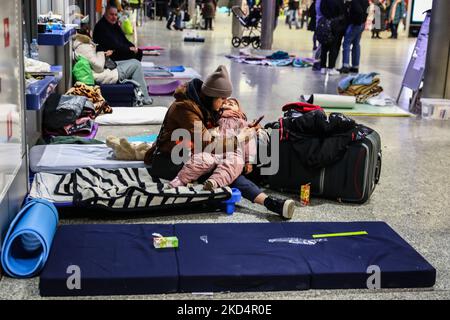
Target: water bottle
26, 49
34, 53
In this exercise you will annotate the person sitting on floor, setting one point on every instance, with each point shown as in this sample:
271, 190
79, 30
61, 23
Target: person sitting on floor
109, 36
126, 69
225, 166
196, 109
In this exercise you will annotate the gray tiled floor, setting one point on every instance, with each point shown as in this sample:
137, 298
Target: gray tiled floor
413, 194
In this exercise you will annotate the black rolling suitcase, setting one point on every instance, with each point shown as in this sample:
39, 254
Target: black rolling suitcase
353, 178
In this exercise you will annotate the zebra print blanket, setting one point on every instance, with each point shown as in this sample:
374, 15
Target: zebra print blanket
130, 188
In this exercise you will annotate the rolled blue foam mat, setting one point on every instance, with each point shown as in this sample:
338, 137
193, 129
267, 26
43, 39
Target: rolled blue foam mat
29, 238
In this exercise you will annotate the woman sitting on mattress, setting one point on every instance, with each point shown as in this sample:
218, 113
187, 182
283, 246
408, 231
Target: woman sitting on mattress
109, 74
196, 109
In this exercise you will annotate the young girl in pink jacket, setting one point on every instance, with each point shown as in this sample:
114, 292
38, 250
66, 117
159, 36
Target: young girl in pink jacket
227, 166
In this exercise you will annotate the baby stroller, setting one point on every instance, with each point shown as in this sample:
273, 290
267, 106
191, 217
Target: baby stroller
251, 24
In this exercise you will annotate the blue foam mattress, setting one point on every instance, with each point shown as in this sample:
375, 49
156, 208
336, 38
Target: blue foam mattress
238, 257
343, 262
120, 259
112, 260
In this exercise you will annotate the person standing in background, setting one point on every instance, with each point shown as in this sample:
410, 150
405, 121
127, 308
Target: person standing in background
395, 15
378, 19
312, 22
278, 6
357, 17
333, 10
175, 8
208, 13
161, 9
304, 12
294, 6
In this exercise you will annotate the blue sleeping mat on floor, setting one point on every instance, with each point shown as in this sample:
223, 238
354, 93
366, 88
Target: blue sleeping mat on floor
342, 262
120, 259
112, 259
238, 257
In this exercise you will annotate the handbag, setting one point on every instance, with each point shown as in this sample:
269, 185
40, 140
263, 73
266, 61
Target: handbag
187, 17
324, 31
110, 63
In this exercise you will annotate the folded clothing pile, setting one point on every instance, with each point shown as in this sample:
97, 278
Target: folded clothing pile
278, 55
361, 86
276, 59
303, 62
94, 94
66, 115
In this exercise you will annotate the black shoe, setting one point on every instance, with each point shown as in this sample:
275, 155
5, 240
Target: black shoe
354, 70
285, 208
344, 70
168, 27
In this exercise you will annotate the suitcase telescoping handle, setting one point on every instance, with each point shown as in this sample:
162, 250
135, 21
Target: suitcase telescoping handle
378, 168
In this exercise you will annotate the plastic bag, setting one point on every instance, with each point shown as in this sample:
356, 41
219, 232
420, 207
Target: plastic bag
127, 26
82, 71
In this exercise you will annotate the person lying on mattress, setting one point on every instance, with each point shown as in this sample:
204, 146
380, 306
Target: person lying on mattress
195, 110
104, 74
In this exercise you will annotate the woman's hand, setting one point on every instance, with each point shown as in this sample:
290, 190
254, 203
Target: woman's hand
248, 168
109, 53
134, 49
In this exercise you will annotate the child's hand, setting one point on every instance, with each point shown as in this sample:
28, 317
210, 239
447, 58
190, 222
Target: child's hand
248, 168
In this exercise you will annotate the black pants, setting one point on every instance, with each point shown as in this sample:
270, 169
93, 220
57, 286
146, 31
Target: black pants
375, 33
304, 19
208, 23
128, 56
161, 9
330, 53
394, 29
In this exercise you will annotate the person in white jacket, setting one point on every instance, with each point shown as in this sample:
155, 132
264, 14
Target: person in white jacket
126, 69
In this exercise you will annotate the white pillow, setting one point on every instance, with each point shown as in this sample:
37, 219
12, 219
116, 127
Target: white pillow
133, 116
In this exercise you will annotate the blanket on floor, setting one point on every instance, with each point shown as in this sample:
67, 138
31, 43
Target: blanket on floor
127, 188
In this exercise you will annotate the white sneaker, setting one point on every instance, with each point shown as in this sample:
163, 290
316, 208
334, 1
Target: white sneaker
288, 209
323, 71
333, 72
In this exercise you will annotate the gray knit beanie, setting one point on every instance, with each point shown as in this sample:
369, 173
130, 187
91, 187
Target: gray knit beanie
218, 84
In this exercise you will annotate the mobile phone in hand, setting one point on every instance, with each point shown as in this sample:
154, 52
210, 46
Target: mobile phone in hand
255, 123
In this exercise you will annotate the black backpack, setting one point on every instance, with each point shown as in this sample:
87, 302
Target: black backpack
324, 31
